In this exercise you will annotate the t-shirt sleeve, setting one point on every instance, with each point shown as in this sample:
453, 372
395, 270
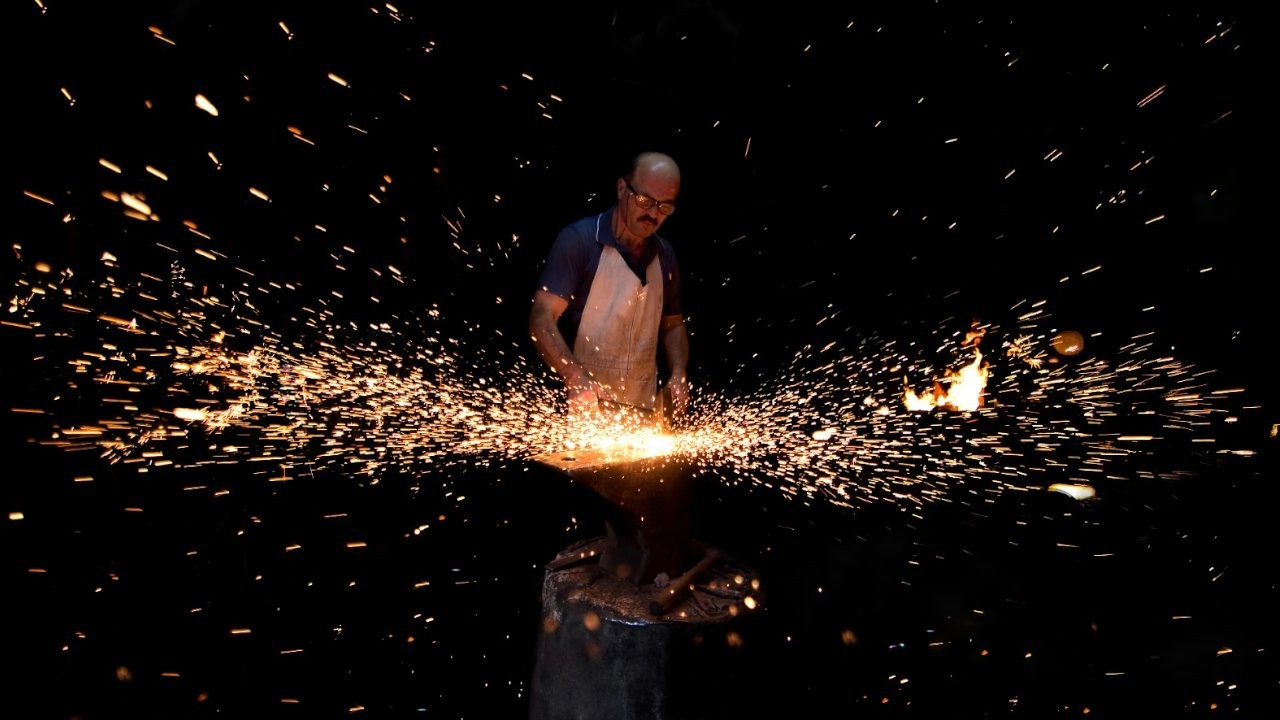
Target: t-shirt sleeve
565, 263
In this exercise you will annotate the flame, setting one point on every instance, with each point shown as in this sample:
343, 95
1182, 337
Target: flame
965, 393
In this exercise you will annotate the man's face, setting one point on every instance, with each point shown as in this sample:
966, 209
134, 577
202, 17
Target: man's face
656, 190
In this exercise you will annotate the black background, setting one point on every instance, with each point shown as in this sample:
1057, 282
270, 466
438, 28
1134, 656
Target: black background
819, 175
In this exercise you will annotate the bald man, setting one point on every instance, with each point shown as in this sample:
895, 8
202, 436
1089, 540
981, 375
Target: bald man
611, 283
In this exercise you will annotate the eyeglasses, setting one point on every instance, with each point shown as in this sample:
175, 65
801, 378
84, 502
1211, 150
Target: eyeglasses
644, 202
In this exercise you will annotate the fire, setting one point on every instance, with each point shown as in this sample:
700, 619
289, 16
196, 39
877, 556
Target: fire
966, 385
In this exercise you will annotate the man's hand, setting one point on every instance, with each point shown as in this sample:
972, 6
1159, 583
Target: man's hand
584, 398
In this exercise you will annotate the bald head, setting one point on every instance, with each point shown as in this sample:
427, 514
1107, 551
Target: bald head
655, 166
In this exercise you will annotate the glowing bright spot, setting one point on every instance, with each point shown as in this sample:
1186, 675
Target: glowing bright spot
1068, 342
634, 445
1079, 492
190, 414
203, 103
134, 202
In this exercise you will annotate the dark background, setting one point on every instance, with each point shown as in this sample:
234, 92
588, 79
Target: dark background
818, 177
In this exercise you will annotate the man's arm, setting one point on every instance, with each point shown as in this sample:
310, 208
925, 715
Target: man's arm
555, 352
675, 343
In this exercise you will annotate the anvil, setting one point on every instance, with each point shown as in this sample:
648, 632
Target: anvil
648, 515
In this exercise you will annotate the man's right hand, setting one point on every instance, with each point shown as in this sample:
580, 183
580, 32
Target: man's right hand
584, 398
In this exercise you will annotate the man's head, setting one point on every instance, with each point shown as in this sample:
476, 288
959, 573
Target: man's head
647, 194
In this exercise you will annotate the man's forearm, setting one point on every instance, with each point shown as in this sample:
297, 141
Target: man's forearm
675, 342
554, 350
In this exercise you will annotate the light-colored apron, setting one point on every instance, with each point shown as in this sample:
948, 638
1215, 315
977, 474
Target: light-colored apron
617, 340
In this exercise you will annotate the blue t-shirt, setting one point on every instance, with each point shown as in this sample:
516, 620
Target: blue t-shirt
575, 255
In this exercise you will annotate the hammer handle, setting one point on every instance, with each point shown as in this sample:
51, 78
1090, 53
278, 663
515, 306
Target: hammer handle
667, 596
